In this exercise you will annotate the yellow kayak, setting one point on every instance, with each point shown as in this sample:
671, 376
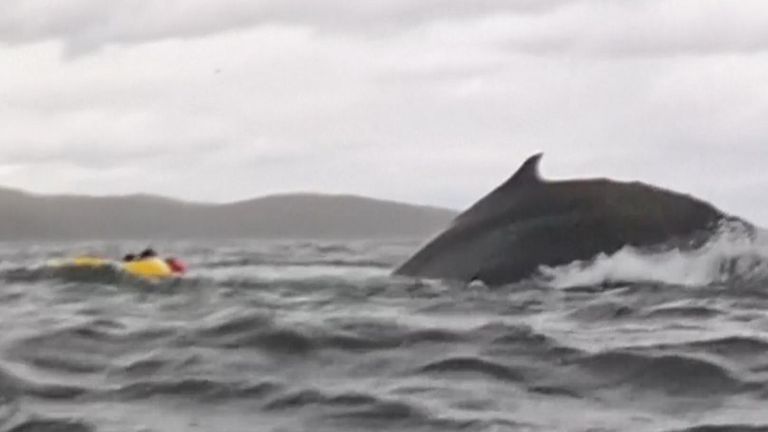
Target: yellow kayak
80, 262
152, 268
88, 261
149, 267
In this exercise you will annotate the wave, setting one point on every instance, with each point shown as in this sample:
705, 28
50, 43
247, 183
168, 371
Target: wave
672, 374
156, 364
261, 331
733, 254
270, 261
303, 398
743, 352
473, 365
401, 415
105, 274
366, 412
52, 425
682, 311
12, 387
85, 348
729, 346
725, 428
199, 389
521, 340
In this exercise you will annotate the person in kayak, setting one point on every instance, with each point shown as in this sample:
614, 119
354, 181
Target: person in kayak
148, 263
129, 257
147, 253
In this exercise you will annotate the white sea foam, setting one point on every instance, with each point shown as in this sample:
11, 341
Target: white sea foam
733, 253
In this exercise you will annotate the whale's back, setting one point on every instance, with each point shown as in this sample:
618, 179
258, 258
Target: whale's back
528, 222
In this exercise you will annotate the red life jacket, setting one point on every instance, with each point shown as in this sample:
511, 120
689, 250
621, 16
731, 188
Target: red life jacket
176, 265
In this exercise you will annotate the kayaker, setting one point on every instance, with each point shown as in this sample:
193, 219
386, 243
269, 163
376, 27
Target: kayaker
147, 253
129, 257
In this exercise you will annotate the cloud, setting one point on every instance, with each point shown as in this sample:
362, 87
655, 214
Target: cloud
644, 28
88, 24
538, 27
432, 102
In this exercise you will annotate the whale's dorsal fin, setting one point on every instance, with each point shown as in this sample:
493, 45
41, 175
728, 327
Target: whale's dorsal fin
528, 173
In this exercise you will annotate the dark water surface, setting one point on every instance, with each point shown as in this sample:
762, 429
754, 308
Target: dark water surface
316, 336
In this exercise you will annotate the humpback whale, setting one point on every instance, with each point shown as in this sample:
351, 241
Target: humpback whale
528, 222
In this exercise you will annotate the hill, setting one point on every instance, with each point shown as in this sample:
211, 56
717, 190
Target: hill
25, 216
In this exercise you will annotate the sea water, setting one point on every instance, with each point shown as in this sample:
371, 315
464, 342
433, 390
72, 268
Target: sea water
317, 336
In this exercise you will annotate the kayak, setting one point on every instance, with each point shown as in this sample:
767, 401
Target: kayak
151, 268
86, 261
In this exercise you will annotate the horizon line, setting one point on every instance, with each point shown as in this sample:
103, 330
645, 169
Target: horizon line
286, 194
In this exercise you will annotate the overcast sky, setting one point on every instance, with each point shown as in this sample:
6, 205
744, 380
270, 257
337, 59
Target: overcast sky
429, 101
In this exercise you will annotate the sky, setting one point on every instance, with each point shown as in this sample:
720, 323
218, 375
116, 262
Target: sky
430, 101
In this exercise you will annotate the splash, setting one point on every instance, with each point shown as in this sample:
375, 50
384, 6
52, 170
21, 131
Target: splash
734, 252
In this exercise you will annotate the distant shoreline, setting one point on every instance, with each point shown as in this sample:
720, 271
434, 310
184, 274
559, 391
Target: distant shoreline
32, 216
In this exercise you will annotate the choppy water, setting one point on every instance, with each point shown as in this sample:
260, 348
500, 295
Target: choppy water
316, 336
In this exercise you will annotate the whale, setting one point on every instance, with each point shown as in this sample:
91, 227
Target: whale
528, 222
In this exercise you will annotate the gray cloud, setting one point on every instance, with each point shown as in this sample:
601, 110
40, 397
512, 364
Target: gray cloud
439, 107
645, 28
87, 24
539, 27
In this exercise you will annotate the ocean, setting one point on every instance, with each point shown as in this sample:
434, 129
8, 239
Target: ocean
317, 336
